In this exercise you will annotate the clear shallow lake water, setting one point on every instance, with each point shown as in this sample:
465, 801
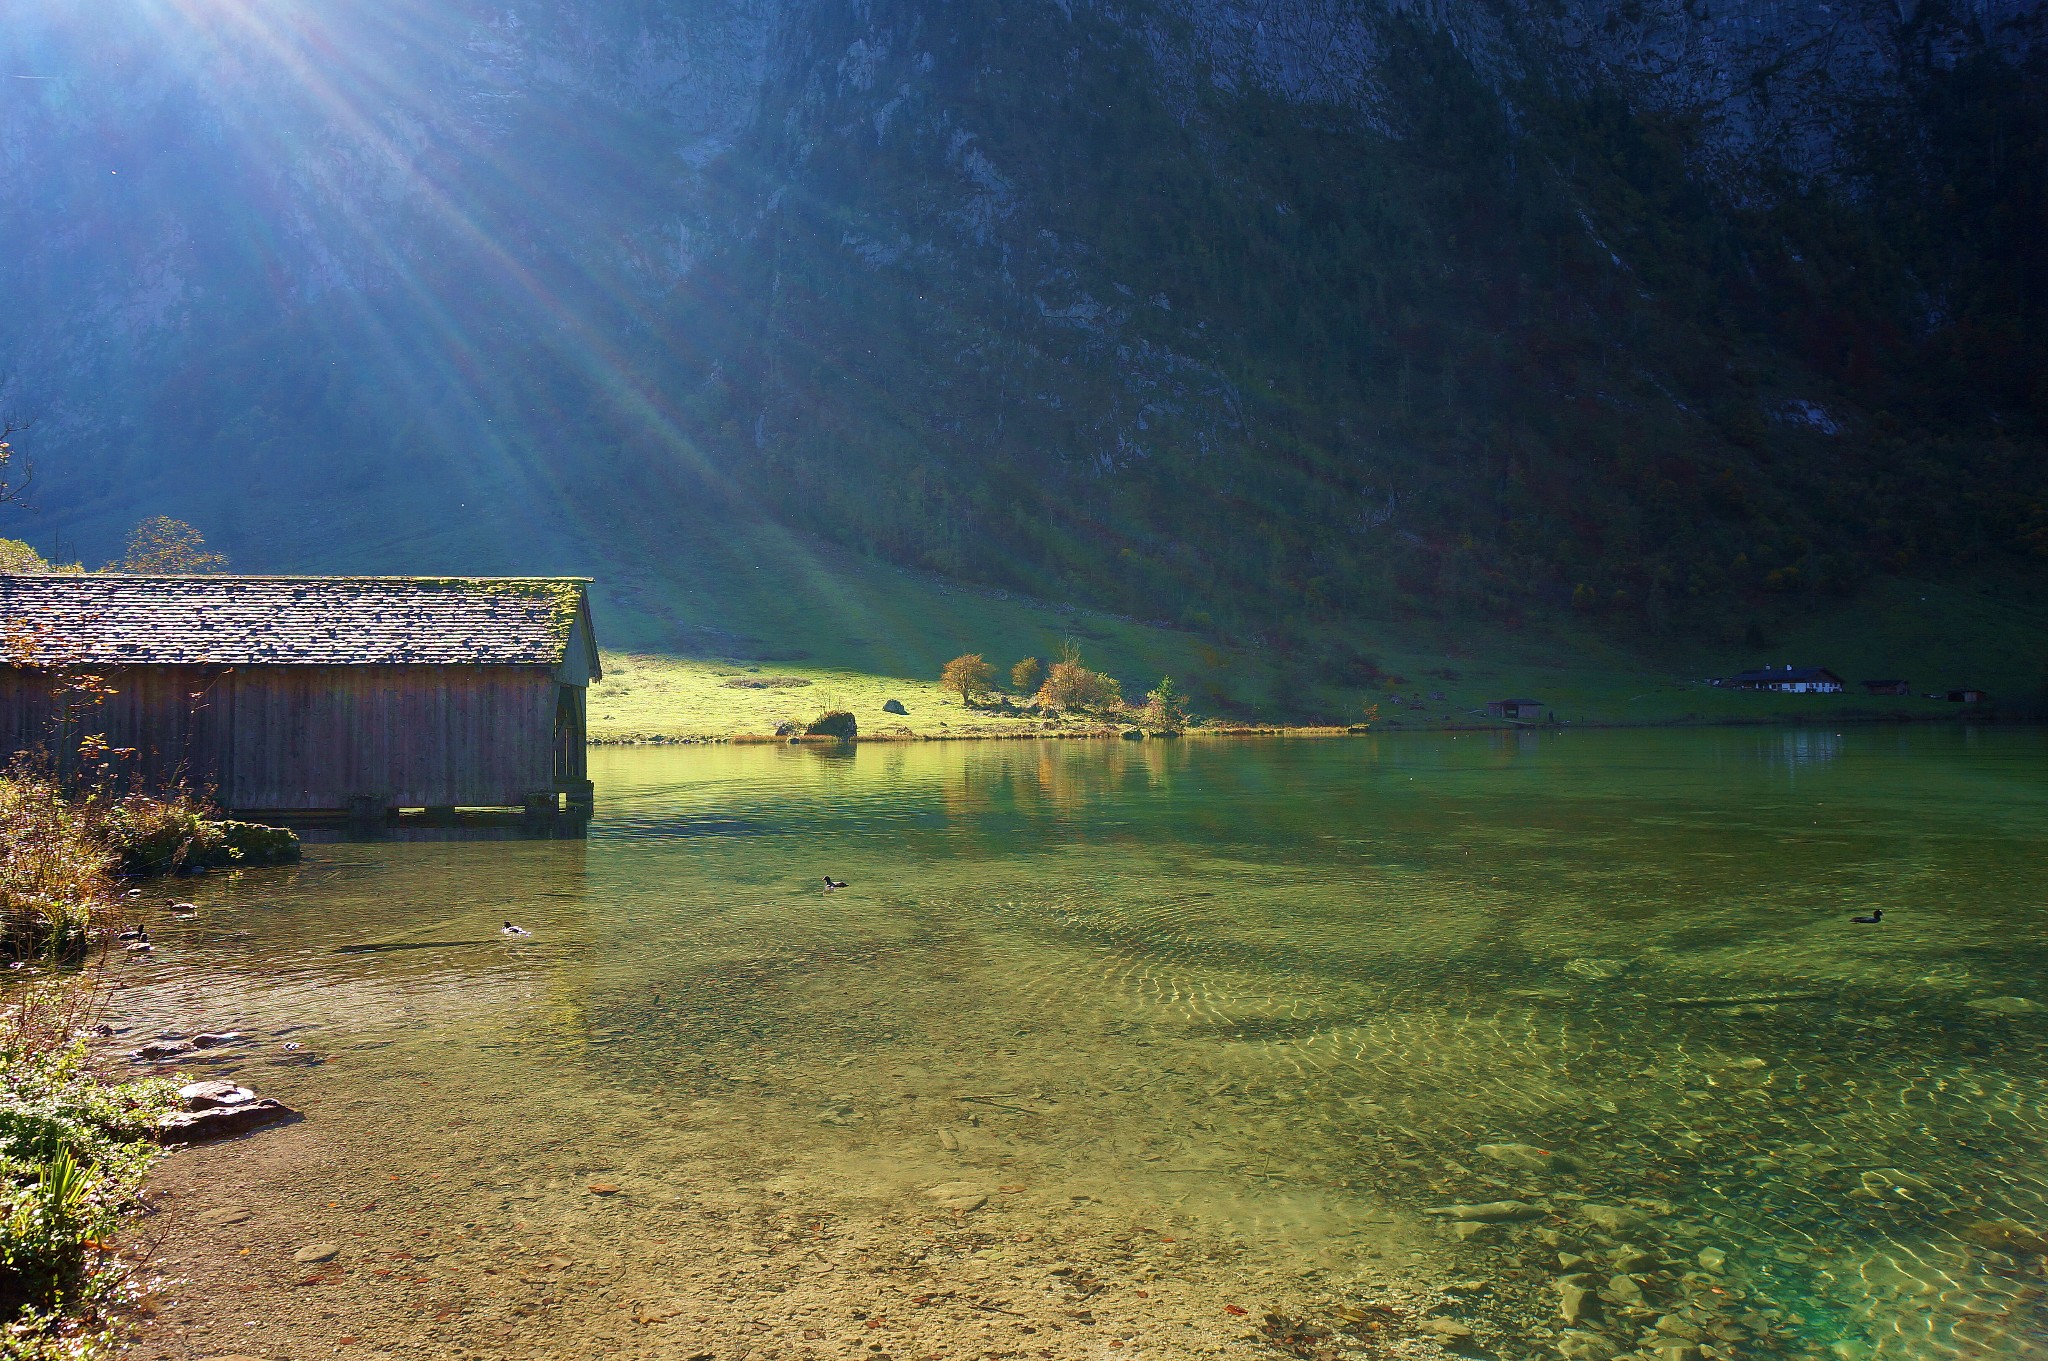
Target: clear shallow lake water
1236, 1016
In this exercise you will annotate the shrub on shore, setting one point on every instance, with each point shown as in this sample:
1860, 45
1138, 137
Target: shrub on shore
164, 833
62, 853
56, 874
1070, 685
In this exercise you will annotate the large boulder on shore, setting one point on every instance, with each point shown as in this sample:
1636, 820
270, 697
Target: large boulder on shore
838, 723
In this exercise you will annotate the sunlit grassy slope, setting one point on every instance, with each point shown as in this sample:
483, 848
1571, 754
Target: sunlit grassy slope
759, 604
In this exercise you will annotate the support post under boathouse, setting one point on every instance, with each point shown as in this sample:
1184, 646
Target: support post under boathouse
347, 696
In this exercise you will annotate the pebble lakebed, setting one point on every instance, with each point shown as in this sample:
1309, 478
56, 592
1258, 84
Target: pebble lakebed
1071, 1122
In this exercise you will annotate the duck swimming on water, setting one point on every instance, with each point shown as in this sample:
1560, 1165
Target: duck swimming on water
1876, 915
510, 930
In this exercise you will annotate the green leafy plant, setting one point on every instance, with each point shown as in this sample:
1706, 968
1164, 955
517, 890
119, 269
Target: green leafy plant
74, 1150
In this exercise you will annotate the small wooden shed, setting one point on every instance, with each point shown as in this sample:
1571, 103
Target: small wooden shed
305, 694
1517, 710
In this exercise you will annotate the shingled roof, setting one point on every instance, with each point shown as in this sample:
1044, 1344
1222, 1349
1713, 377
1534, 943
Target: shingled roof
118, 619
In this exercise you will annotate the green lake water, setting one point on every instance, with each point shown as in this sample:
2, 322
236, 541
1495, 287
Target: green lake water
1278, 993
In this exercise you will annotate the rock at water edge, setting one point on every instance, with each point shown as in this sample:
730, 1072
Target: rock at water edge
202, 1096
221, 1122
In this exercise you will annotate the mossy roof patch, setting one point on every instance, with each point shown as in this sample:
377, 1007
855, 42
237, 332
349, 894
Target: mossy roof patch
109, 619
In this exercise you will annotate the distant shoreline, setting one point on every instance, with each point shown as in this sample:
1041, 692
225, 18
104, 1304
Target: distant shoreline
1309, 731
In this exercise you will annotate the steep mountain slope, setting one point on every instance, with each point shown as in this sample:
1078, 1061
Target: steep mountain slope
1245, 315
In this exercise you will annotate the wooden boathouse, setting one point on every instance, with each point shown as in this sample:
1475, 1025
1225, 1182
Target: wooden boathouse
312, 695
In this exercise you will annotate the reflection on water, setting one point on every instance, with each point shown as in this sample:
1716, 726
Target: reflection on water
1580, 1016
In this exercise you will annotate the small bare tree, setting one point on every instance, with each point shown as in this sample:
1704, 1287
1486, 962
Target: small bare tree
16, 473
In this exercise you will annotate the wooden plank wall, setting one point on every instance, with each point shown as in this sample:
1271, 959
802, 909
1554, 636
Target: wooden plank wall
302, 738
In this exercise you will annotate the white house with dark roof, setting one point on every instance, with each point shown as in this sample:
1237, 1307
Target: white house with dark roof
299, 694
1790, 680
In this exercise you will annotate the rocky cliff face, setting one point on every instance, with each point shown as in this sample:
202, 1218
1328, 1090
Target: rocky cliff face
1312, 301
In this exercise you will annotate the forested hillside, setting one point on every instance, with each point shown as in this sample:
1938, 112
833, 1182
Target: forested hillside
1251, 318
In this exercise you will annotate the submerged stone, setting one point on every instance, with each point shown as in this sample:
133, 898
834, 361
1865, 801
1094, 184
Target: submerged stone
1491, 1212
2009, 1235
1613, 1218
2005, 1006
1582, 1346
957, 1195
156, 1051
1528, 1157
1598, 970
1624, 1289
1634, 1260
